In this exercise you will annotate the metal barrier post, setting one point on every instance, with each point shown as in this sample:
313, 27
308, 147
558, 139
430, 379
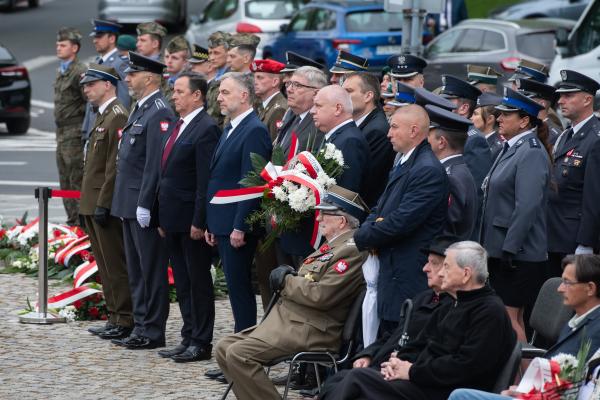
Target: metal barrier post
42, 316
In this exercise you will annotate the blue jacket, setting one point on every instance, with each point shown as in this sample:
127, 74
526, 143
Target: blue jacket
230, 163
569, 340
410, 213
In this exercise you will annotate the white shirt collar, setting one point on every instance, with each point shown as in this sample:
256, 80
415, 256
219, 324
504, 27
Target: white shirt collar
104, 105
489, 134
443, 160
143, 100
268, 100
514, 140
303, 115
328, 134
407, 155
236, 121
578, 319
108, 55
362, 119
580, 125
188, 118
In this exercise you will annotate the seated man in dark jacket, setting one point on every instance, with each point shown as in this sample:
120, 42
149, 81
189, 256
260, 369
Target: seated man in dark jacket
463, 345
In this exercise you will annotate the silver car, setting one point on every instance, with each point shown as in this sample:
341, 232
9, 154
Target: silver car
171, 13
260, 17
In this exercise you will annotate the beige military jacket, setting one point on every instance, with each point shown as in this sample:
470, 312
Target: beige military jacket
313, 306
99, 170
272, 114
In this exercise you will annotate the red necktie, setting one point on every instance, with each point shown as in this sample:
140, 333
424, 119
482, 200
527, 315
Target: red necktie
170, 143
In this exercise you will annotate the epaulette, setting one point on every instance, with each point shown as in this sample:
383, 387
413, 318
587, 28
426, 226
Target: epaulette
350, 242
518, 144
534, 142
159, 104
117, 109
472, 132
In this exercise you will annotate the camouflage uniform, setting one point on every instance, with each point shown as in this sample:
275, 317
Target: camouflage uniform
69, 110
216, 39
178, 43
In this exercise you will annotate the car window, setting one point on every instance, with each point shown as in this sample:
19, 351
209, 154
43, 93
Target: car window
587, 36
492, 41
220, 9
300, 21
271, 9
539, 45
5, 55
370, 21
445, 43
471, 41
323, 20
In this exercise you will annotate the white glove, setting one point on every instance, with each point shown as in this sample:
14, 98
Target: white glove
143, 217
581, 249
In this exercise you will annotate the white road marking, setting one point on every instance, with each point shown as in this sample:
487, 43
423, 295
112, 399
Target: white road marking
42, 104
33, 140
28, 183
39, 61
8, 163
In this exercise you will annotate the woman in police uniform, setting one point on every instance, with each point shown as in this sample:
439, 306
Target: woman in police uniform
513, 229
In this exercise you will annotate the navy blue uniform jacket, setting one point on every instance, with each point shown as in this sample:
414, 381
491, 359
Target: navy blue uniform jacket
353, 145
410, 213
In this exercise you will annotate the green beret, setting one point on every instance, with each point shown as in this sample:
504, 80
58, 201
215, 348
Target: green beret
178, 43
126, 42
71, 34
151, 28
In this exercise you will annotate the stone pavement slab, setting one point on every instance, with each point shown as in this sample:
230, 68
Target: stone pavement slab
64, 361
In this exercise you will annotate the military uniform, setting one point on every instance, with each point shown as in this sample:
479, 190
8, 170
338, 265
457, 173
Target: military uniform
178, 43
216, 39
272, 114
69, 111
97, 192
135, 189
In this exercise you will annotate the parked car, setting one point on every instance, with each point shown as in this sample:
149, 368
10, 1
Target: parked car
171, 13
15, 93
489, 42
320, 29
9, 5
569, 9
260, 17
581, 49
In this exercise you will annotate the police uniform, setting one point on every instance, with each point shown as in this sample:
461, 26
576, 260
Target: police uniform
111, 59
216, 39
405, 66
484, 78
462, 201
574, 207
513, 229
494, 140
104, 230
135, 188
69, 111
347, 63
310, 313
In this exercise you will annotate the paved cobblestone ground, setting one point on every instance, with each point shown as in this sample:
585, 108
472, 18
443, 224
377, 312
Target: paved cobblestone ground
64, 361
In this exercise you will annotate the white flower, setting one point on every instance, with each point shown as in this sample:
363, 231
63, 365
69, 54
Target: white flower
325, 180
17, 264
299, 167
289, 186
298, 200
279, 193
69, 313
565, 361
338, 156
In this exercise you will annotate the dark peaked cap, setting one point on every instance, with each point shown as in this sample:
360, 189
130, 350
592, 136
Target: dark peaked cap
454, 87
138, 63
447, 120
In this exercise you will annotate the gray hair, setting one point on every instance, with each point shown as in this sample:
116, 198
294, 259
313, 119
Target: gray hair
244, 81
471, 254
351, 221
339, 95
314, 76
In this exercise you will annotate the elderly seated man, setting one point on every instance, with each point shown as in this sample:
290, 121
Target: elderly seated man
580, 289
313, 304
464, 345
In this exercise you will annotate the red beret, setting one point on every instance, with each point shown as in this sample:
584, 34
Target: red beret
270, 66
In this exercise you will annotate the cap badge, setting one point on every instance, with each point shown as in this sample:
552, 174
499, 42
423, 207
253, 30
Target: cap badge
164, 125
563, 75
402, 60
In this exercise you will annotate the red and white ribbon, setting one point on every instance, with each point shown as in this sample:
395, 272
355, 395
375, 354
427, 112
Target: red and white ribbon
84, 271
71, 296
61, 253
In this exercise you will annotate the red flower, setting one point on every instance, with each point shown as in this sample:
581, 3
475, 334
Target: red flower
78, 231
325, 248
2, 233
103, 317
170, 275
94, 312
85, 255
77, 304
56, 233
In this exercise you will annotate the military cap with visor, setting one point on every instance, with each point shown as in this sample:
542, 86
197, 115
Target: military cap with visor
447, 120
348, 62
488, 99
453, 88
405, 94
140, 63
219, 38
573, 81
514, 101
530, 70
535, 89
178, 43
339, 199
295, 61
424, 97
482, 74
406, 65
97, 72
102, 26
199, 55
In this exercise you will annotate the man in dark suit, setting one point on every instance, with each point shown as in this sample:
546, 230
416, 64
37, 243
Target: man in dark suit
332, 113
188, 148
410, 213
226, 223
573, 209
134, 198
447, 139
364, 91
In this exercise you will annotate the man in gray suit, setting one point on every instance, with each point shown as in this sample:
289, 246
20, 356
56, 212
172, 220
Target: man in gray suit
301, 90
104, 36
133, 202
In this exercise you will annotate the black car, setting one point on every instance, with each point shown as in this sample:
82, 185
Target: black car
15, 93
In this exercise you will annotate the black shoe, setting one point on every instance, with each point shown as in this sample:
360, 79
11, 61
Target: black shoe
194, 353
116, 333
96, 330
221, 379
124, 342
213, 373
144, 343
167, 353
309, 393
281, 380
307, 382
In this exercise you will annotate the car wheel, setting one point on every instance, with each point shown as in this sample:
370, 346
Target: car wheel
18, 126
33, 3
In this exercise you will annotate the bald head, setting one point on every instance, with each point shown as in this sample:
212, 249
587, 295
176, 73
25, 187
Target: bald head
409, 126
332, 106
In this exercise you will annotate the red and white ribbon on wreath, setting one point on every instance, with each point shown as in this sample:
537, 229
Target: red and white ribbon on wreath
274, 175
64, 254
538, 375
71, 296
84, 271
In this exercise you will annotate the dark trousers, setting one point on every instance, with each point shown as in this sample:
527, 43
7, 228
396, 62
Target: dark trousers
237, 264
265, 261
191, 261
368, 383
147, 262
107, 245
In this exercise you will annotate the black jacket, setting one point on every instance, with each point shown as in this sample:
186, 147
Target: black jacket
463, 204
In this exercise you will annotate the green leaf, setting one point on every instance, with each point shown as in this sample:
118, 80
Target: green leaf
258, 162
278, 157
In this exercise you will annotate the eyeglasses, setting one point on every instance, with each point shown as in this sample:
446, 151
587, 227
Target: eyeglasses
296, 85
331, 213
567, 282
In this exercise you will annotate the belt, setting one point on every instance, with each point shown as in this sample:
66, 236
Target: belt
69, 121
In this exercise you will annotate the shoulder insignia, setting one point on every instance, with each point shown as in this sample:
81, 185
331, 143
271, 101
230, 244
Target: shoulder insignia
118, 110
325, 248
472, 132
279, 124
379, 219
100, 129
534, 142
159, 104
350, 242
325, 257
341, 267
309, 260
448, 170
164, 126
519, 142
